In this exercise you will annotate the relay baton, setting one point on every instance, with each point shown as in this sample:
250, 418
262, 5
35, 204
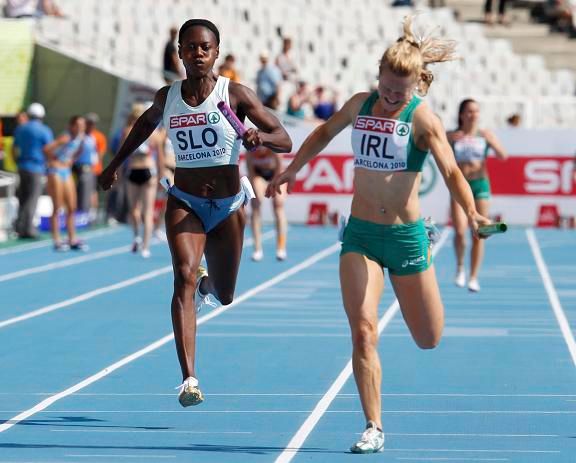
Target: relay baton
232, 118
493, 228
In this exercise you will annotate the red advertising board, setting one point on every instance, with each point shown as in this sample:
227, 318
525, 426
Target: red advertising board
534, 175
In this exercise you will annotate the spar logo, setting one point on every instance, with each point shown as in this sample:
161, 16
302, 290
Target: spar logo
549, 176
402, 129
187, 120
374, 124
213, 117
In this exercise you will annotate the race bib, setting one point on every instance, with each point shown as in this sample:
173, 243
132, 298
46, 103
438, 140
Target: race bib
380, 144
198, 137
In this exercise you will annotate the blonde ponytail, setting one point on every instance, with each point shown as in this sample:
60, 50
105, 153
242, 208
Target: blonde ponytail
410, 56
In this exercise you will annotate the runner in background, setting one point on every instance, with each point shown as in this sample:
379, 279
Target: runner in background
263, 164
471, 145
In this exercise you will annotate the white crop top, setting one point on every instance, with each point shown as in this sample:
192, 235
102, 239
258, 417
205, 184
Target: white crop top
200, 135
470, 149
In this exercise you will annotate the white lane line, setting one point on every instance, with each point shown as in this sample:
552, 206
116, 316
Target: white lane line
65, 263
294, 394
336, 412
552, 295
48, 242
449, 459
103, 290
90, 257
86, 296
109, 455
168, 338
466, 435
148, 431
304, 431
474, 450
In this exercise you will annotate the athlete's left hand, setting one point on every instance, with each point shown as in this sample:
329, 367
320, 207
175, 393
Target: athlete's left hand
475, 221
251, 139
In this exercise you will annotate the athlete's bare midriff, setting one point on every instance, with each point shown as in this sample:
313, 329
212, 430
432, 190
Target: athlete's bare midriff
209, 182
473, 170
386, 198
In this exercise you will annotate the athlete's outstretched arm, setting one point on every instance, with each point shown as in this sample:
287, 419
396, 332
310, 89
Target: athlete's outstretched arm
316, 142
270, 132
434, 136
143, 128
495, 144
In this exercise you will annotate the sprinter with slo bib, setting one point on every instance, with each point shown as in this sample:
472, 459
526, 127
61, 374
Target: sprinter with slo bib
205, 210
393, 131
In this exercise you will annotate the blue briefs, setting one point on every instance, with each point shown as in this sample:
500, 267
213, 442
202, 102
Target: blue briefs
63, 173
212, 211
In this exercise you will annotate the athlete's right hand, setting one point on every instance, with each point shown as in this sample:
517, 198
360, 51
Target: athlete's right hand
476, 221
107, 178
273, 188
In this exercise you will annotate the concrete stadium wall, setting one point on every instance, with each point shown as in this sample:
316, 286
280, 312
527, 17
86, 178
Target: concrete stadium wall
66, 87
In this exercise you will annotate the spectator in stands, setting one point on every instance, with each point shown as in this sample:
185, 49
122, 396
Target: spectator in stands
471, 144
92, 120
402, 3
385, 228
172, 70
285, 62
31, 9
22, 118
560, 15
268, 79
263, 164
489, 16
30, 138
273, 101
324, 106
299, 100
514, 120
60, 155
228, 69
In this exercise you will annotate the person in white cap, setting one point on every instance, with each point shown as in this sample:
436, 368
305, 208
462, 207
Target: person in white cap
29, 140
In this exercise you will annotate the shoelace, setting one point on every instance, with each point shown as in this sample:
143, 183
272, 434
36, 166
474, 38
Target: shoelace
369, 434
205, 300
183, 386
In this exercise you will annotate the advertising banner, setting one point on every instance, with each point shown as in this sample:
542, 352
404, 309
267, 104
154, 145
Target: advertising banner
537, 177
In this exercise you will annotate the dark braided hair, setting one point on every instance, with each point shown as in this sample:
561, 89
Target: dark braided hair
199, 22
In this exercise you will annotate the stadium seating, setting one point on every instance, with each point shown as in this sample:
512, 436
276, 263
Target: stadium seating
336, 42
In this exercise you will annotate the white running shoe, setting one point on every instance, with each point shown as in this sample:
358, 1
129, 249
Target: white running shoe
200, 299
281, 254
160, 235
473, 285
145, 253
190, 393
432, 230
460, 279
257, 255
372, 440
